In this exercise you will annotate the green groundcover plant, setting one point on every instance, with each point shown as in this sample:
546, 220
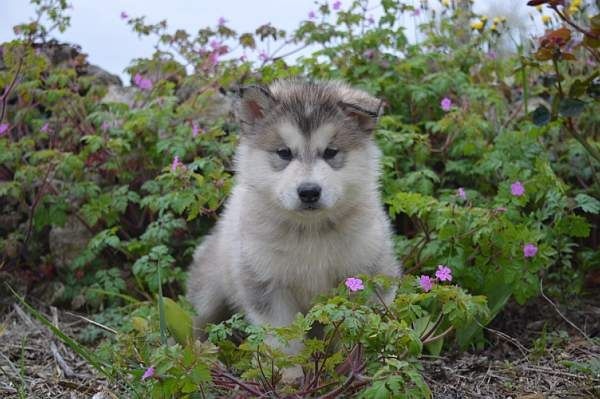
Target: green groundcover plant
490, 175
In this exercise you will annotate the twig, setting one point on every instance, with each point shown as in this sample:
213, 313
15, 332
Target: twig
562, 315
562, 16
25, 317
387, 310
524, 351
557, 372
339, 390
238, 382
62, 364
102, 326
66, 369
4, 97
433, 328
270, 387
439, 336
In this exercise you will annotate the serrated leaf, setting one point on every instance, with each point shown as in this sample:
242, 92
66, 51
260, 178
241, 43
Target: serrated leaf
588, 203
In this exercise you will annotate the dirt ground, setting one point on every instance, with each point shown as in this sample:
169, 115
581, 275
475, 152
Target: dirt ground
521, 361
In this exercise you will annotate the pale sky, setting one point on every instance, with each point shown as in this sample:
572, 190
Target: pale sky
97, 27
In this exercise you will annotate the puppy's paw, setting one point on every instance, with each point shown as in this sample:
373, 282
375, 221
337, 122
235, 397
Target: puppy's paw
292, 375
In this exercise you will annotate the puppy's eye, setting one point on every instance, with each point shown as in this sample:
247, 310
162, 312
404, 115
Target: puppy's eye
284, 153
329, 153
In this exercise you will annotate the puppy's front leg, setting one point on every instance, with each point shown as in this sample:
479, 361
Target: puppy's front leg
277, 308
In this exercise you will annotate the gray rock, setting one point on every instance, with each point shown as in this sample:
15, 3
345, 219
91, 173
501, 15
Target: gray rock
67, 242
120, 94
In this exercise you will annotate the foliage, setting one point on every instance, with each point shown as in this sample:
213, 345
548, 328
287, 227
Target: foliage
490, 167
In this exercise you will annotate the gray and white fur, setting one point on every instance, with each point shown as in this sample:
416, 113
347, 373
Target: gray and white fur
305, 212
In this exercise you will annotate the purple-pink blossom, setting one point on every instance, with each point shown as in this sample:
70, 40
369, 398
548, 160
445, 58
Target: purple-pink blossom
443, 273
4, 128
517, 189
354, 284
369, 53
221, 21
141, 82
491, 55
213, 58
337, 5
263, 56
45, 128
416, 12
446, 104
149, 373
176, 164
426, 283
214, 44
371, 20
195, 129
501, 209
461, 193
312, 15
529, 250
124, 15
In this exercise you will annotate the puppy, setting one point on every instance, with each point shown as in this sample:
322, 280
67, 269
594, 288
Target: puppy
305, 211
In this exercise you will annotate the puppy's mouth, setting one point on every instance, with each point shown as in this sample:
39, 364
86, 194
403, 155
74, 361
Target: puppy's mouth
310, 207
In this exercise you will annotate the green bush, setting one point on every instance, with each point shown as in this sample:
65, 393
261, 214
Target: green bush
490, 167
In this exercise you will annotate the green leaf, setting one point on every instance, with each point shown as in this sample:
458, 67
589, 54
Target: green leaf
587, 203
570, 107
179, 322
574, 226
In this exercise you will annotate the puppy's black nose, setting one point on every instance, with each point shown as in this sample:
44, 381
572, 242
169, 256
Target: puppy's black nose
309, 193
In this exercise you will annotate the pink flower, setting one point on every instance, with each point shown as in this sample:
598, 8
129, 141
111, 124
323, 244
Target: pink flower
354, 284
214, 44
371, 20
369, 53
446, 104
105, 126
444, 273
517, 189
244, 57
337, 5
263, 56
529, 250
149, 373
491, 55
416, 13
221, 21
141, 82
195, 129
124, 15
45, 128
4, 128
312, 15
501, 209
426, 283
176, 164
213, 58
461, 193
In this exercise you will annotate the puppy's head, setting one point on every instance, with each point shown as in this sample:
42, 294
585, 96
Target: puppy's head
306, 147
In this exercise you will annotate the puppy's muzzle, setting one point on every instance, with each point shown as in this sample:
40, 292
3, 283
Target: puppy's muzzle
309, 193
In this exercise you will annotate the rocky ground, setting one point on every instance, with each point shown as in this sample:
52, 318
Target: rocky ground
533, 353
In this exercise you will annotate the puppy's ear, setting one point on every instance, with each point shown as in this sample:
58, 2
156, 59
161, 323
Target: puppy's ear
255, 102
366, 118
